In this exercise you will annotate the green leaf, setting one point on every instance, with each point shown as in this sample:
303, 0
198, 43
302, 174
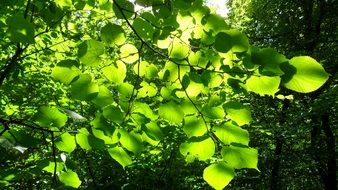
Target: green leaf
263, 85
20, 30
178, 50
112, 34
143, 28
145, 110
238, 112
115, 73
154, 131
230, 133
103, 98
172, 112
120, 155
113, 113
70, 179
48, 165
131, 141
83, 88
211, 112
240, 157
231, 40
87, 141
51, 117
66, 143
129, 53
102, 129
66, 71
201, 148
270, 61
194, 126
89, 52
218, 175
303, 74
126, 7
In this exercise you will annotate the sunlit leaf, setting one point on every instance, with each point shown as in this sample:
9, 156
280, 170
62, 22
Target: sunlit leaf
84, 88
66, 143
172, 112
70, 178
194, 126
129, 53
303, 74
263, 85
218, 175
51, 117
65, 71
201, 148
115, 73
238, 112
240, 157
229, 133
120, 155
131, 141
112, 34
90, 51
87, 141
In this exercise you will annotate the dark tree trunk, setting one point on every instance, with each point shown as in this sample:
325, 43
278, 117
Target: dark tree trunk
274, 183
330, 179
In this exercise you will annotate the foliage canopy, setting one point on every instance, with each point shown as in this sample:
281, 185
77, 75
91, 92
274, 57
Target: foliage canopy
100, 76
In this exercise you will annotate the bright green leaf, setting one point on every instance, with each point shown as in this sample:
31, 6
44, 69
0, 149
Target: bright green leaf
113, 34
90, 51
194, 126
70, 179
115, 73
51, 117
65, 71
131, 141
66, 143
201, 148
303, 74
129, 53
230, 133
218, 175
238, 112
84, 88
87, 141
240, 157
263, 85
113, 113
120, 155
172, 112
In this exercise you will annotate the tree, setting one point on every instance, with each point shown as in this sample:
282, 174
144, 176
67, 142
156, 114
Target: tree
82, 81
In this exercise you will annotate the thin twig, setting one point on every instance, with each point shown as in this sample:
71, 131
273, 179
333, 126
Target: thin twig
54, 158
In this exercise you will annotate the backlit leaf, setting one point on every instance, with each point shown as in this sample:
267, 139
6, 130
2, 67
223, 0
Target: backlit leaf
84, 88
201, 148
303, 74
70, 179
229, 133
89, 52
65, 71
51, 117
240, 157
238, 112
112, 34
172, 112
66, 143
263, 85
218, 175
120, 155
